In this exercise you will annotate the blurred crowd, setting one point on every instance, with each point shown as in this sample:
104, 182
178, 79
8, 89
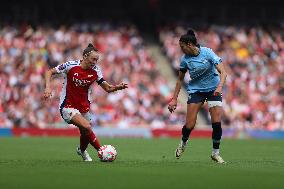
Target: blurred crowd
26, 53
254, 59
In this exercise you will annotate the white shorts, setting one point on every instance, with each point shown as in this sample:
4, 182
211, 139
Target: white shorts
214, 103
68, 113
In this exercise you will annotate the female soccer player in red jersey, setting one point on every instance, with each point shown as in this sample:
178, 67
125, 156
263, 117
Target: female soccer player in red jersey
79, 75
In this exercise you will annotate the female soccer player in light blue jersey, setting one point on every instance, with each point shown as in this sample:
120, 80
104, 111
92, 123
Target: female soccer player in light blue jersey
208, 76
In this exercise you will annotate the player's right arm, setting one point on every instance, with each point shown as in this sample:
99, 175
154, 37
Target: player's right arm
48, 74
173, 104
60, 69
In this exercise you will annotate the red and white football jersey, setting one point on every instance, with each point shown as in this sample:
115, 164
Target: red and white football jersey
76, 87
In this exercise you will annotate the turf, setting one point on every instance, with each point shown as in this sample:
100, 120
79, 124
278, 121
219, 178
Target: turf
27, 163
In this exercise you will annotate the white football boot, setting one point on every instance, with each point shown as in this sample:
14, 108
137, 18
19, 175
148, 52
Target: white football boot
180, 149
217, 158
84, 155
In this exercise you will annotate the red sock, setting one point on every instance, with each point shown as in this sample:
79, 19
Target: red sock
94, 141
84, 141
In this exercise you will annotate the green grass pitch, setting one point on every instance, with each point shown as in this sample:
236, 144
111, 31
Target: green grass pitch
33, 163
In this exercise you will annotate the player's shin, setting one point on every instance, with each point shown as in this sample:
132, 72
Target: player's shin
184, 140
94, 141
84, 141
185, 134
216, 136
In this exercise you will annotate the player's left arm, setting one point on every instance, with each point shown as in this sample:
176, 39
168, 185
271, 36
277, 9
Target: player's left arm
106, 86
223, 75
112, 88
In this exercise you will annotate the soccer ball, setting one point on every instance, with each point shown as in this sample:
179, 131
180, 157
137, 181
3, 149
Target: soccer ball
107, 153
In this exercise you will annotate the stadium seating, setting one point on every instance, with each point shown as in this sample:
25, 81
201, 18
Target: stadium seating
253, 56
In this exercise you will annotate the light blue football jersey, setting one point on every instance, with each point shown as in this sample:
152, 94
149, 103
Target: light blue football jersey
202, 70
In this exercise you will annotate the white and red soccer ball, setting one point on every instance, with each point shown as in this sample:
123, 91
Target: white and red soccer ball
107, 153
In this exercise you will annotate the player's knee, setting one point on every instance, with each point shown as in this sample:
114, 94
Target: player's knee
216, 118
216, 115
86, 128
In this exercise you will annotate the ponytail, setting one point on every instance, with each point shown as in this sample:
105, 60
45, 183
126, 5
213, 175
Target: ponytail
89, 49
189, 37
190, 32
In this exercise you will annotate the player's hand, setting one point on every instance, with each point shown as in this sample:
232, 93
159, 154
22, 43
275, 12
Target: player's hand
47, 94
218, 91
122, 86
172, 105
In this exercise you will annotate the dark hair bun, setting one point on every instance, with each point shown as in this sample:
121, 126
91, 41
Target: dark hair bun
91, 45
190, 32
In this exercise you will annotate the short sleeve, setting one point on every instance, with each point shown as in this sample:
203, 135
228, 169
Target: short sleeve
63, 68
100, 78
183, 65
213, 57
